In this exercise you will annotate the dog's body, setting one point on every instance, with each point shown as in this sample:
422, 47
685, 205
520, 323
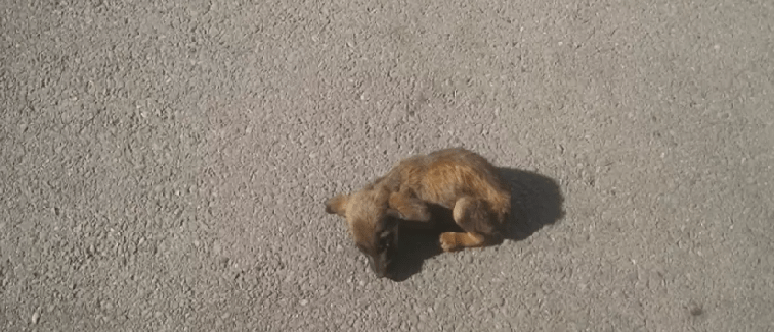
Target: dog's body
455, 179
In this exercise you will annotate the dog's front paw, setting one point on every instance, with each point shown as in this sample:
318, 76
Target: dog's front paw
451, 241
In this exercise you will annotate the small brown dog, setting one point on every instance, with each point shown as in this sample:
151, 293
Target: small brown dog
455, 179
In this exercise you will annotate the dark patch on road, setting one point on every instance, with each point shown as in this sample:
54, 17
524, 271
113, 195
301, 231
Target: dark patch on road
536, 201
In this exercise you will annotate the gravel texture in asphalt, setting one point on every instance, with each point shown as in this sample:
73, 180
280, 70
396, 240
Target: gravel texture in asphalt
164, 165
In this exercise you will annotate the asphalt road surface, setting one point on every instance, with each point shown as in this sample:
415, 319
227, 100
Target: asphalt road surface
165, 164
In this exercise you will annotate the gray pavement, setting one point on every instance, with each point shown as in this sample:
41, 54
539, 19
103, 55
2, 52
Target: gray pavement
164, 165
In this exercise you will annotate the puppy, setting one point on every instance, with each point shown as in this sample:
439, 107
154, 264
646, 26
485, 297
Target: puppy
454, 179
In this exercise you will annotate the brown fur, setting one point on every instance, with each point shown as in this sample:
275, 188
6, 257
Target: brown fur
455, 179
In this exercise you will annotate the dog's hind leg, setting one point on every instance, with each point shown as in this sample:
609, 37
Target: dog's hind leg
473, 216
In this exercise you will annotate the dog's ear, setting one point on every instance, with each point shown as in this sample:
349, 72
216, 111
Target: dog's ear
337, 205
407, 208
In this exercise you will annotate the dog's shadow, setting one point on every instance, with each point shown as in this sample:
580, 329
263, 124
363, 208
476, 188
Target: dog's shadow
536, 201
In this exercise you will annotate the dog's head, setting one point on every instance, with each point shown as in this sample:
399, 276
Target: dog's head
372, 224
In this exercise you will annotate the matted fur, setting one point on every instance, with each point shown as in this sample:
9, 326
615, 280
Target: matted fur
455, 179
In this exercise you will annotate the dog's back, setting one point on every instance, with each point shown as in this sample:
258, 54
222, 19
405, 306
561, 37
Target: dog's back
445, 176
